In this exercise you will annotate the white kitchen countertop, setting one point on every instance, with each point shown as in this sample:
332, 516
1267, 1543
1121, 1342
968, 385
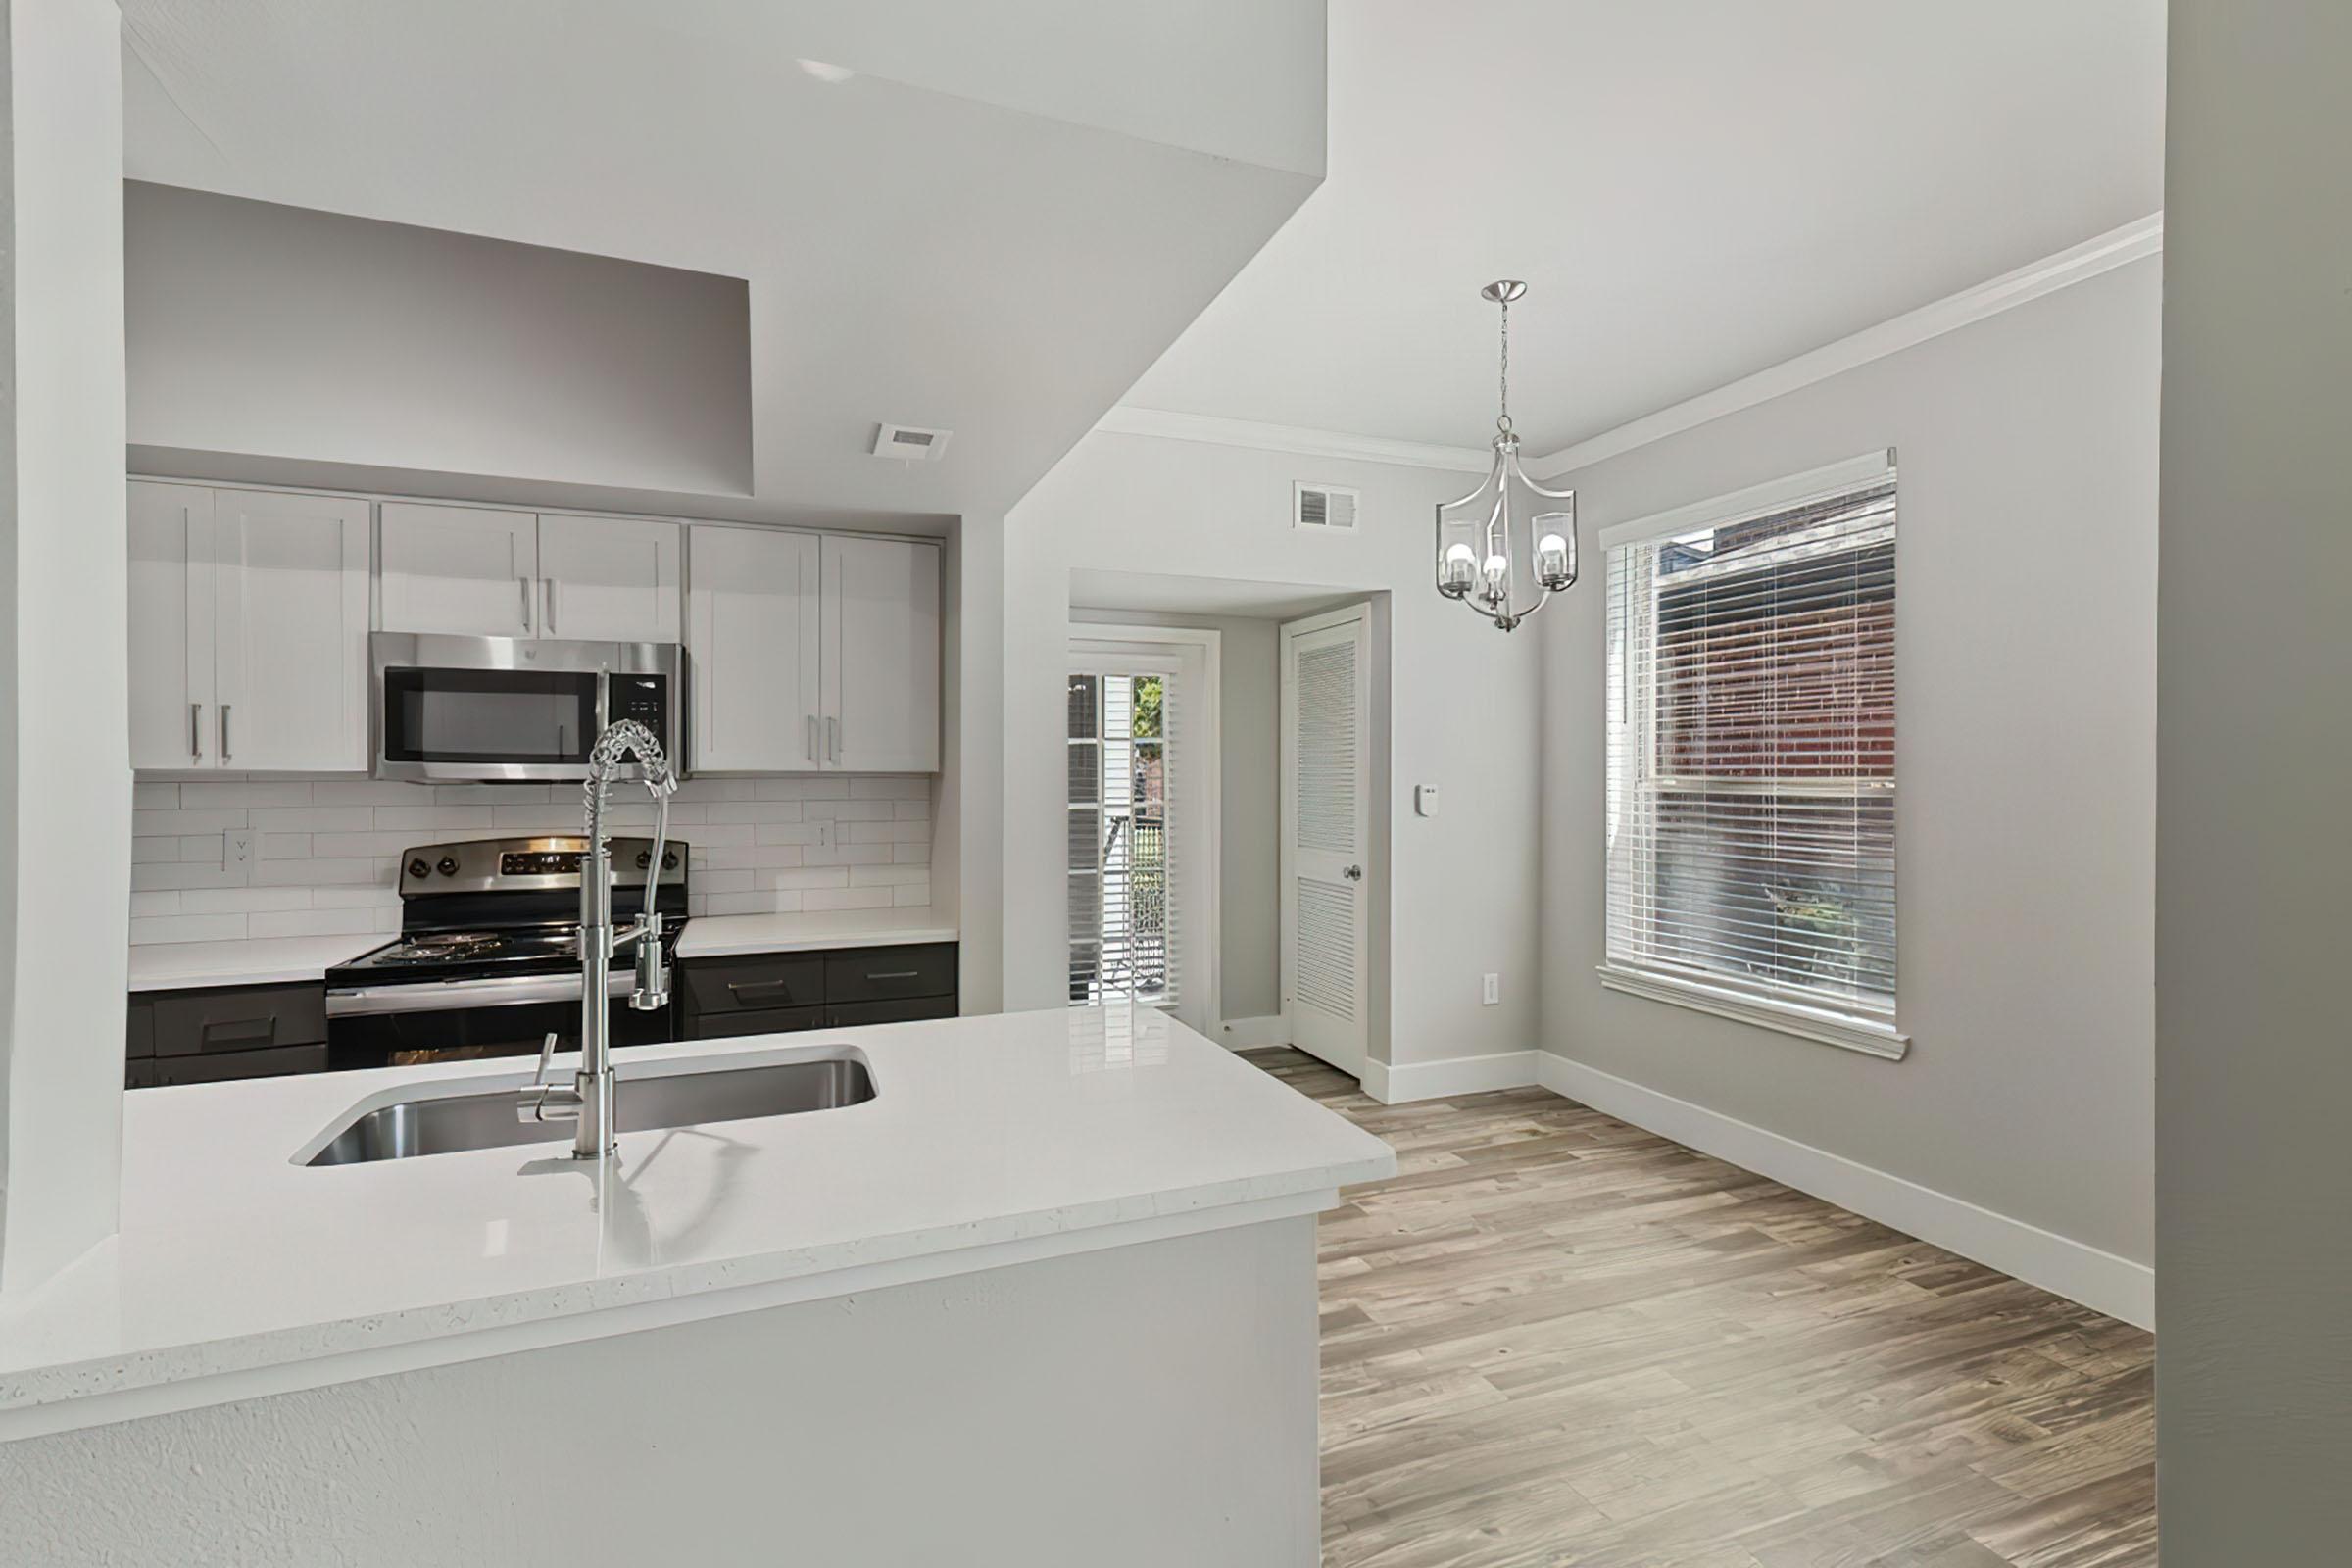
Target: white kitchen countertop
272, 961
238, 1271
251, 961
711, 936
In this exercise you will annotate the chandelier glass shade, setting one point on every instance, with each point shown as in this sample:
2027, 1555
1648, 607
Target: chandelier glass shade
1510, 530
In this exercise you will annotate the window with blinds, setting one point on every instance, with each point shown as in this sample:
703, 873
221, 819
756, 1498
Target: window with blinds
1751, 746
1123, 938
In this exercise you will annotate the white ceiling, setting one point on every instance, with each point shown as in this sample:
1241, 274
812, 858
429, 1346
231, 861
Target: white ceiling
1692, 189
988, 218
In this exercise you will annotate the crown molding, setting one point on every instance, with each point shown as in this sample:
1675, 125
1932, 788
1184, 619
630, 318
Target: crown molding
1126, 419
2116, 248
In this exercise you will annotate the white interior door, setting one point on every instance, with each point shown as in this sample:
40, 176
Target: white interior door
290, 642
752, 636
1326, 834
462, 571
170, 625
608, 579
880, 608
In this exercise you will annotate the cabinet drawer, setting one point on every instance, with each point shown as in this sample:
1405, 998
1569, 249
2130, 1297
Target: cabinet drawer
189, 1023
849, 1015
764, 1021
888, 974
759, 982
219, 1067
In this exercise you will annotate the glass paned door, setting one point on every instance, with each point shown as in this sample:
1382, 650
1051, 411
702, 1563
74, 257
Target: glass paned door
1121, 926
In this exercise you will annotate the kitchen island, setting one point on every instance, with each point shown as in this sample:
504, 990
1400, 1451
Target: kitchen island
1051, 1287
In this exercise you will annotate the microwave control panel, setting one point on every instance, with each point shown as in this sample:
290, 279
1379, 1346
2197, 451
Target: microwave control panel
643, 697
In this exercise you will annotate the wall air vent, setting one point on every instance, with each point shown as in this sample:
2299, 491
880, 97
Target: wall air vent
910, 443
1323, 508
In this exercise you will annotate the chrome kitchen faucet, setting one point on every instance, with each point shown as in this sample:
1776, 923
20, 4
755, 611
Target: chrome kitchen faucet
589, 1099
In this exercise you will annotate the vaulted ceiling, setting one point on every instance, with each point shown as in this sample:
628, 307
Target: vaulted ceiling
987, 219
1692, 189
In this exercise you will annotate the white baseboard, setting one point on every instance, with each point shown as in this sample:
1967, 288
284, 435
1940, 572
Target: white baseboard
1440, 1080
2082, 1273
1246, 1034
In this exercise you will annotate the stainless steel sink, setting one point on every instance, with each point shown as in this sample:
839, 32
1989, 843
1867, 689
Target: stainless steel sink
444, 1124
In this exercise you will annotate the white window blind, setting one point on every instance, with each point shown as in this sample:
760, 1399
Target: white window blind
1125, 942
1751, 767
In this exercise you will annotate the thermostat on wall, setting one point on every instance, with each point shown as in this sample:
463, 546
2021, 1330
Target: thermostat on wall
1425, 800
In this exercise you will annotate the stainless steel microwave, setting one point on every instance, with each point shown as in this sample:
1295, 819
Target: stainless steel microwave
512, 710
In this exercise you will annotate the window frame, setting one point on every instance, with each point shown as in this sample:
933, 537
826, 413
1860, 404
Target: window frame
1861, 1028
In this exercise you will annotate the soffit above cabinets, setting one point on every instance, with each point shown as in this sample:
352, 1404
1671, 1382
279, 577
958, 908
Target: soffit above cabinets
971, 230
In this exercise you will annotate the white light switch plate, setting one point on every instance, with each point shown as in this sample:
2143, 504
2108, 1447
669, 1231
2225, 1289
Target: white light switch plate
1492, 995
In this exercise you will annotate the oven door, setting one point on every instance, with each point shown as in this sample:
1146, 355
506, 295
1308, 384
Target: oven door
509, 710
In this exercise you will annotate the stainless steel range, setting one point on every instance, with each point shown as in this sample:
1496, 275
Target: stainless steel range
488, 958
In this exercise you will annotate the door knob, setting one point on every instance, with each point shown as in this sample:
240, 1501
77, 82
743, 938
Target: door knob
1354, 873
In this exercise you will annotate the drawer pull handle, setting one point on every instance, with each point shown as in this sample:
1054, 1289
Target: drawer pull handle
759, 990
241, 1030
895, 974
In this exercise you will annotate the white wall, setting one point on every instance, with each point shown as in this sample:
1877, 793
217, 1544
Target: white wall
2254, 769
1462, 888
65, 780
278, 332
2026, 811
1248, 800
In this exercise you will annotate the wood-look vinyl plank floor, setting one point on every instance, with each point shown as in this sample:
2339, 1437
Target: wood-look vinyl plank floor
1556, 1340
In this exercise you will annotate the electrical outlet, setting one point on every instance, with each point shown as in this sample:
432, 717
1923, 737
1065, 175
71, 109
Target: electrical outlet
1493, 991
236, 846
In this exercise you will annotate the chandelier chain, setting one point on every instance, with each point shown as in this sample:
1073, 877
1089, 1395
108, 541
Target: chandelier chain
1502, 420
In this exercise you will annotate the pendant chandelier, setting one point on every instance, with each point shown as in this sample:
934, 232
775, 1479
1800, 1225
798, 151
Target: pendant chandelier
1510, 521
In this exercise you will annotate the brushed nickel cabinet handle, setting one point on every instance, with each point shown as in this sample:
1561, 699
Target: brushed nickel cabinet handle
196, 730
524, 583
812, 737
224, 752
547, 603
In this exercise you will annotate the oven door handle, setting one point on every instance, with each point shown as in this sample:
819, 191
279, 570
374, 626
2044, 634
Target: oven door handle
447, 995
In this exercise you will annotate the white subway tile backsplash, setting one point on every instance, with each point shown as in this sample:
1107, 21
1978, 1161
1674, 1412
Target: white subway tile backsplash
326, 852
317, 923
186, 928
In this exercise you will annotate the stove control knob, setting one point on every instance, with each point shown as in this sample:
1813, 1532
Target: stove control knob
448, 866
418, 867
670, 860
645, 858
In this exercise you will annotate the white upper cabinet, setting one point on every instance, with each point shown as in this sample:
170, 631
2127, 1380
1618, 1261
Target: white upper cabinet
464, 572
248, 629
751, 651
471, 571
290, 649
812, 653
171, 708
880, 655
608, 579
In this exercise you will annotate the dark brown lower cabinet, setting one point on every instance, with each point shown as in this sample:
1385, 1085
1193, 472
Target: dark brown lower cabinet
782, 992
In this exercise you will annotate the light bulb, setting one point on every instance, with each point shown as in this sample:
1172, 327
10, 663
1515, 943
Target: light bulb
1459, 571
1552, 561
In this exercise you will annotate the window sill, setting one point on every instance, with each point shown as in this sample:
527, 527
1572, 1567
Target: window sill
1806, 1023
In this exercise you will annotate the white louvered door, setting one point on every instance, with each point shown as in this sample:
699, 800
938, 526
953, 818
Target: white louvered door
1326, 835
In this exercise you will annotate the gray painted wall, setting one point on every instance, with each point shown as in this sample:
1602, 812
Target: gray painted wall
278, 332
2253, 920
1249, 781
1457, 893
2026, 586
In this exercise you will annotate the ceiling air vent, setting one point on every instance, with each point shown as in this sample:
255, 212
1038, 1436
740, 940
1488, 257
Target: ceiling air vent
910, 443
1323, 508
